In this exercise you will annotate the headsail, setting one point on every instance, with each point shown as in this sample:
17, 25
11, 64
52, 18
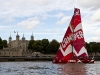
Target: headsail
73, 44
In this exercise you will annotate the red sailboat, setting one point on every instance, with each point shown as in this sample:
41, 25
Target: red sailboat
72, 48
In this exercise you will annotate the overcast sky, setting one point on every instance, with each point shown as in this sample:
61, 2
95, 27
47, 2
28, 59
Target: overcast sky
47, 18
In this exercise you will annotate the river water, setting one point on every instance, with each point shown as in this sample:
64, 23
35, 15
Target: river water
47, 68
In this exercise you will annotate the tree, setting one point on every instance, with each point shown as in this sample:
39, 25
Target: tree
4, 43
89, 48
95, 47
37, 46
30, 45
45, 44
1, 44
54, 45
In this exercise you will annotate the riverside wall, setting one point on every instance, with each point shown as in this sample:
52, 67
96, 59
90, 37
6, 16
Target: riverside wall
27, 58
34, 58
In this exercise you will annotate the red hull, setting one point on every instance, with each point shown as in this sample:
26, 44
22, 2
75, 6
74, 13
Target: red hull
73, 61
87, 61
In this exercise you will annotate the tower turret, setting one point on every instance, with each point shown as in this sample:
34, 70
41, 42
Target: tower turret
17, 37
32, 37
23, 38
10, 38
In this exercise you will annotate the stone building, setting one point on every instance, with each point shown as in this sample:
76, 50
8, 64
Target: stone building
16, 47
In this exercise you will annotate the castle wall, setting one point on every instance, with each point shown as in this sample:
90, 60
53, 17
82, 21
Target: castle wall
21, 44
10, 52
16, 47
24, 45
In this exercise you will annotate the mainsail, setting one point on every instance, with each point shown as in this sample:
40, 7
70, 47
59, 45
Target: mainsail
73, 44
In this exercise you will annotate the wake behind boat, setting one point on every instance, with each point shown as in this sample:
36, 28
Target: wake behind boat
72, 48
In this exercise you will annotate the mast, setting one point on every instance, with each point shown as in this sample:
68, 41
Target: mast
72, 40
72, 44
73, 34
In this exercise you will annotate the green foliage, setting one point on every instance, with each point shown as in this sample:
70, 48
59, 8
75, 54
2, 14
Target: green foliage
44, 46
89, 48
4, 43
93, 47
37, 46
1, 44
54, 45
96, 48
30, 45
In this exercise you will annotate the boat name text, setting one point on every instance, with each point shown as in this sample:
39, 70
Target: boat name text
68, 39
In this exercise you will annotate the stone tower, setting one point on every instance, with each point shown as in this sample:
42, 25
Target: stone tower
32, 37
23, 44
17, 40
23, 38
17, 37
10, 39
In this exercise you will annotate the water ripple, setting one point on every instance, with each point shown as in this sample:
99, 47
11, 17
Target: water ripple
47, 68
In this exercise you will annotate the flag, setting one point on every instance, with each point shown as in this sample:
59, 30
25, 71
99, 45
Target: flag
14, 32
